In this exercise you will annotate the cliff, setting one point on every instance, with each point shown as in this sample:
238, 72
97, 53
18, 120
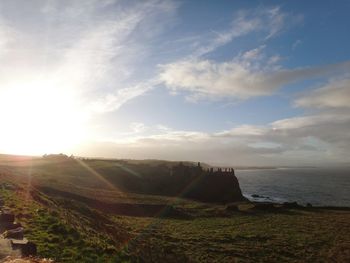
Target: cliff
220, 185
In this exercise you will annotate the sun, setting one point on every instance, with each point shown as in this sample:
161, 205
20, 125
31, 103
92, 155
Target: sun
40, 117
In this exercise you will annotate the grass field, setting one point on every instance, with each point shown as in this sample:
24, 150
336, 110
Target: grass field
83, 222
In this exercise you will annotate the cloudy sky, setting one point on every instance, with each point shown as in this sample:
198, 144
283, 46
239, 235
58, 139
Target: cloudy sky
225, 82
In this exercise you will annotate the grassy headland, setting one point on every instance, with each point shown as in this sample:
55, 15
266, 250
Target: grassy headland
85, 212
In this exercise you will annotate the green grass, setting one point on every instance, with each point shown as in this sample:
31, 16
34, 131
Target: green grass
70, 231
60, 232
300, 236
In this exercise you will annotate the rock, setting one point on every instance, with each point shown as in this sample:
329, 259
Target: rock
264, 206
261, 197
6, 217
215, 186
291, 205
29, 249
232, 207
11, 226
16, 233
18, 242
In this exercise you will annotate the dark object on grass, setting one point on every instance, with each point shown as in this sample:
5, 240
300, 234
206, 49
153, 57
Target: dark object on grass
7, 217
16, 233
291, 205
26, 247
264, 206
308, 205
232, 207
10, 226
29, 249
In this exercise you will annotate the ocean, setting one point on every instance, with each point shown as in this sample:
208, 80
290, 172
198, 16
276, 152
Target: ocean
319, 187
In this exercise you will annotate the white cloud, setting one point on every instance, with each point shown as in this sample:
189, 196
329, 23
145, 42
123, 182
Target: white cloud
138, 127
83, 45
7, 36
310, 139
296, 44
277, 21
241, 78
253, 54
96, 54
271, 21
162, 128
243, 130
334, 94
316, 139
114, 101
249, 74
68, 60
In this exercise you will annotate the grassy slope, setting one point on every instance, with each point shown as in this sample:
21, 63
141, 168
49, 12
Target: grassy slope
70, 231
300, 236
63, 230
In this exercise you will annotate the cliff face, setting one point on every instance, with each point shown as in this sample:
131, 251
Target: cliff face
208, 186
216, 188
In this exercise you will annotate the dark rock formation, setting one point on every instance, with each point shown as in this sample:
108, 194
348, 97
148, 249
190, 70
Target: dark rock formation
220, 185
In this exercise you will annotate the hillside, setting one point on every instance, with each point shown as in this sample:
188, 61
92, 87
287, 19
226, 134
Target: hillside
138, 177
75, 213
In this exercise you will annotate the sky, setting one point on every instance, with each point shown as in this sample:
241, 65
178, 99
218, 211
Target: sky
241, 83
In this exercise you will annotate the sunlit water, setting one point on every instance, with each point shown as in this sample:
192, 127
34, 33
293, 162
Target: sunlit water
321, 187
